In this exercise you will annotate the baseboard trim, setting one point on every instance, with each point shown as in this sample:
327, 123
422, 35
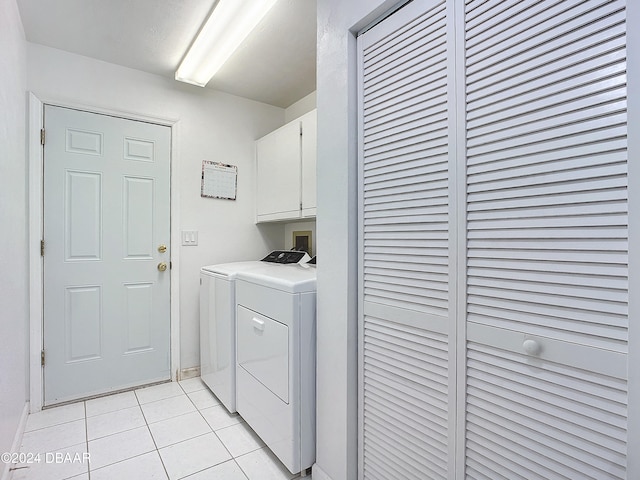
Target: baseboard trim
318, 474
186, 373
17, 441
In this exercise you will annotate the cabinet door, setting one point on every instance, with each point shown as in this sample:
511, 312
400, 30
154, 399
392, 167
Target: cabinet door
278, 174
309, 147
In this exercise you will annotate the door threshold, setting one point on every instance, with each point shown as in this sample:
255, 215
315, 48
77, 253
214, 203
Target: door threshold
105, 394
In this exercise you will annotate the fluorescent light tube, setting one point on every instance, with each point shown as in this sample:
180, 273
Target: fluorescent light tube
228, 25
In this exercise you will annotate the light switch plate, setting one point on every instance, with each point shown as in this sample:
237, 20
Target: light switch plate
189, 238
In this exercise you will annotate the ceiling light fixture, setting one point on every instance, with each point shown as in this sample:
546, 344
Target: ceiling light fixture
228, 25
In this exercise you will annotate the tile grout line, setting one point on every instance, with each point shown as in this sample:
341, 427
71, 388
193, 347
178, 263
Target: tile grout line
139, 404
213, 430
157, 400
86, 436
125, 460
240, 468
151, 435
85, 418
154, 440
118, 432
146, 424
177, 416
233, 458
55, 424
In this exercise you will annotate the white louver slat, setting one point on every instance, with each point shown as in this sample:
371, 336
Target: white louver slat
570, 428
546, 239
405, 164
404, 174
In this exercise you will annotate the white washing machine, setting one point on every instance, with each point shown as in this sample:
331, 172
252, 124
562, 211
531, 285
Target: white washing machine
218, 322
276, 352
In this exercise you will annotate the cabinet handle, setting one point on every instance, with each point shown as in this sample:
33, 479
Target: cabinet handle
531, 347
258, 324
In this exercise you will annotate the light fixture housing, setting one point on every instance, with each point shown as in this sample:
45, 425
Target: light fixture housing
226, 28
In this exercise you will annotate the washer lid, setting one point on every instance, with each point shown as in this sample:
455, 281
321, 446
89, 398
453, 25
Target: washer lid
229, 269
291, 278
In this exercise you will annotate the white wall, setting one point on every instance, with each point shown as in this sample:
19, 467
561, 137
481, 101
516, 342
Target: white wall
302, 106
337, 379
13, 219
211, 126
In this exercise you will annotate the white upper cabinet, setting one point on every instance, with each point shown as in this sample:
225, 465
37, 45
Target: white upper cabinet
309, 125
278, 174
286, 171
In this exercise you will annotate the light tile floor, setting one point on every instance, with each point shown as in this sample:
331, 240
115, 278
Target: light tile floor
169, 431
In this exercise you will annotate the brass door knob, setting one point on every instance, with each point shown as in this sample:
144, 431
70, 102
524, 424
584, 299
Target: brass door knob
162, 248
162, 266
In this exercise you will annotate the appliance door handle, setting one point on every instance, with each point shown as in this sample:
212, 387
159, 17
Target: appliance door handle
258, 324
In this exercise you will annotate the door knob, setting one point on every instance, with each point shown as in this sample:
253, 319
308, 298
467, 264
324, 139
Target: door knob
162, 266
531, 347
162, 248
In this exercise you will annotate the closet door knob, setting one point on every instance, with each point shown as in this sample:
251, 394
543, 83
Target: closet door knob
531, 347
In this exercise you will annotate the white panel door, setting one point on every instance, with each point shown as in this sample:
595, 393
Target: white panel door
106, 213
407, 307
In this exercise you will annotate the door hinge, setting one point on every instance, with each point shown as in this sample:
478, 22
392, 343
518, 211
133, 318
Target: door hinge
42, 136
42, 358
42, 248
170, 265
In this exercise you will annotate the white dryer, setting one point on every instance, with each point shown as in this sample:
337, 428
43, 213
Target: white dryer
218, 322
276, 352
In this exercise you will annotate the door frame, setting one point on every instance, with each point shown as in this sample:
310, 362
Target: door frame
36, 212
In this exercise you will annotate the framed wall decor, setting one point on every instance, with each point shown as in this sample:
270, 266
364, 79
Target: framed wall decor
219, 180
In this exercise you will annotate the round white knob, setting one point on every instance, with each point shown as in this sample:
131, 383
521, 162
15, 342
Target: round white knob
531, 347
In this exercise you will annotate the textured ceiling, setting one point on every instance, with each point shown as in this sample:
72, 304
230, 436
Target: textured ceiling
275, 64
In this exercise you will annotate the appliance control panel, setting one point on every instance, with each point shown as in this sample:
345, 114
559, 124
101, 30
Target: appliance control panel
286, 256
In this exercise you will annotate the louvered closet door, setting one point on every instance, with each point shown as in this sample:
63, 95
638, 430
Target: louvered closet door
547, 240
406, 301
